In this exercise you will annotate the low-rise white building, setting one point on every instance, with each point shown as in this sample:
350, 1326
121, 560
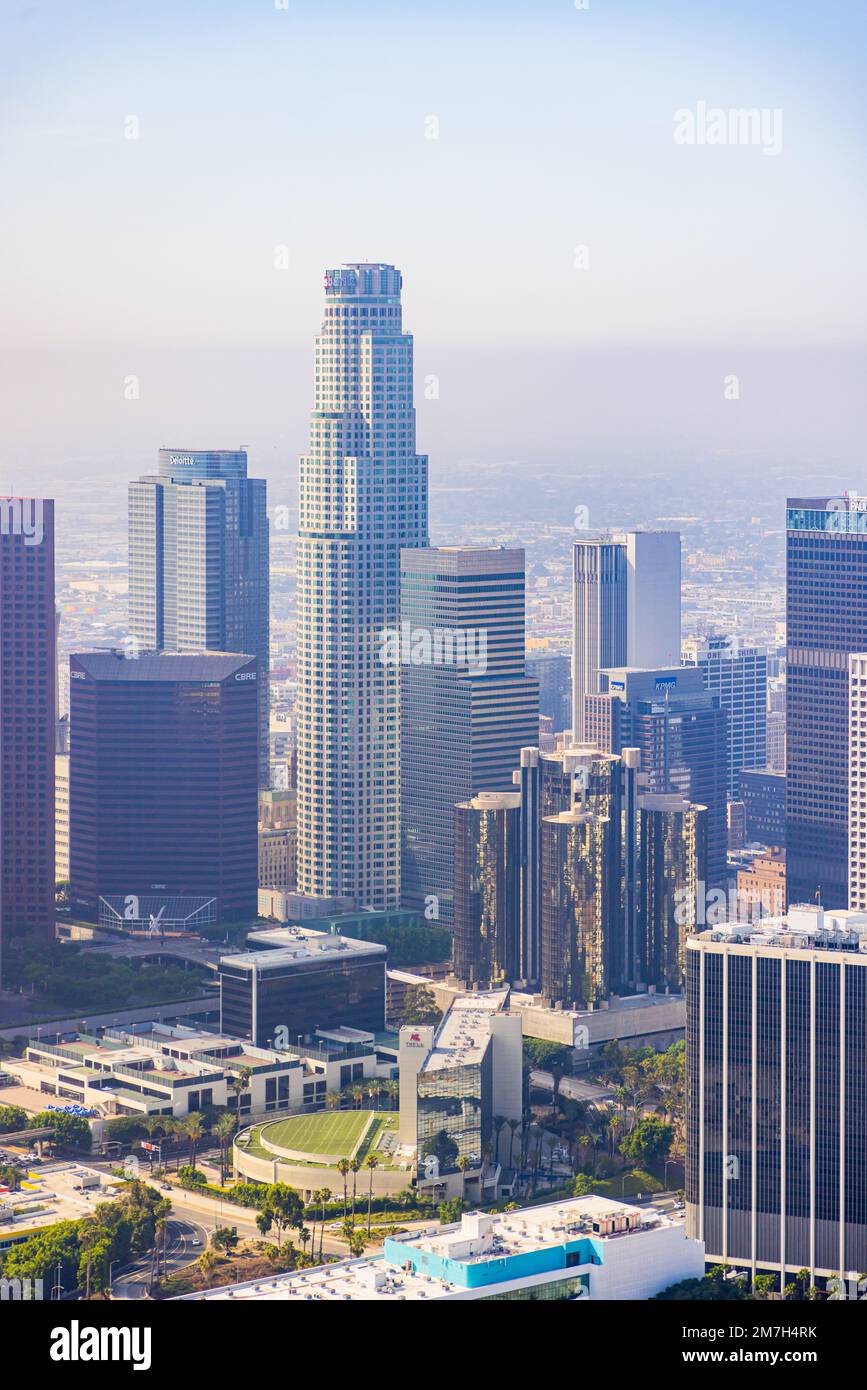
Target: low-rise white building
155, 1069
583, 1248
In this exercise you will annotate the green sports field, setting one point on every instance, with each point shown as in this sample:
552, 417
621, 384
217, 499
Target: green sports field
332, 1132
329, 1132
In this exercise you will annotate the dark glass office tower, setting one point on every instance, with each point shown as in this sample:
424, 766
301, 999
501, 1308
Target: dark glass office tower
163, 788
321, 981
680, 730
487, 861
579, 918
198, 562
606, 785
27, 716
826, 620
554, 674
776, 1093
467, 708
763, 793
671, 869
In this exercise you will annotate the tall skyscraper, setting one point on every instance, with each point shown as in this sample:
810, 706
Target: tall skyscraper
826, 620
653, 602
163, 788
776, 1125
626, 608
738, 674
599, 619
467, 707
27, 718
198, 563
679, 728
487, 889
363, 498
583, 778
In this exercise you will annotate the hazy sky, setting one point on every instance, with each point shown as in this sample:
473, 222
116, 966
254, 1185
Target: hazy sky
262, 128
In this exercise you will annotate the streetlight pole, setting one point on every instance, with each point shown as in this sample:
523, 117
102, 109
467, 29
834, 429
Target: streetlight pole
57, 1288
111, 1277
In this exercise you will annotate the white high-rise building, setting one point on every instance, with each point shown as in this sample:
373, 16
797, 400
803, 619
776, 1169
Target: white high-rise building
598, 619
363, 497
625, 608
652, 597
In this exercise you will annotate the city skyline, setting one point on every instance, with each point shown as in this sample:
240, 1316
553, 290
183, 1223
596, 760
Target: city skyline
433, 832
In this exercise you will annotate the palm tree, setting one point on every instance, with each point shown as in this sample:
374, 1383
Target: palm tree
194, 1129
462, 1166
513, 1126
332, 1100
224, 1129
354, 1168
354, 1238
499, 1121
325, 1198
371, 1162
315, 1200
238, 1084
88, 1236
343, 1170
526, 1122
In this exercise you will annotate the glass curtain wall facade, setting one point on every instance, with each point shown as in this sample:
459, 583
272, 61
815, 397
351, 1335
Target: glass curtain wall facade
487, 865
27, 719
577, 908
671, 872
826, 621
198, 563
456, 1101
466, 706
776, 1109
163, 794
257, 998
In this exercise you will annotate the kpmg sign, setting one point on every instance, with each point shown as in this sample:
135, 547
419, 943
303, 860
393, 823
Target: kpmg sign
665, 682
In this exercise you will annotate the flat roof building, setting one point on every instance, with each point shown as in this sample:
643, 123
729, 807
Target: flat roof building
776, 1125
455, 1078
163, 788
302, 980
583, 1248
